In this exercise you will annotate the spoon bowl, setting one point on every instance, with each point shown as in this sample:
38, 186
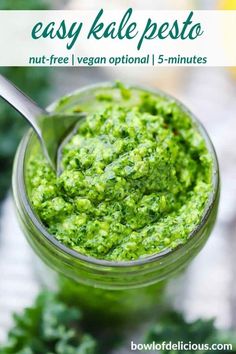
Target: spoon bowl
51, 128
56, 129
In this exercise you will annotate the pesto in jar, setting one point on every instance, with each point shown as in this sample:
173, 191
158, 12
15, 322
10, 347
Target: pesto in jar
136, 177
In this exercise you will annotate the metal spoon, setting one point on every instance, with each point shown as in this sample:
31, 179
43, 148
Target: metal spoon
51, 128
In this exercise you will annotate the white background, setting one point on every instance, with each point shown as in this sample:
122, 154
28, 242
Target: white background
217, 43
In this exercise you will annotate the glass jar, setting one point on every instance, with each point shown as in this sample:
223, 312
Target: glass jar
118, 290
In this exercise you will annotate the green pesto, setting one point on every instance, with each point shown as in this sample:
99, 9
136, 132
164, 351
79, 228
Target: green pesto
136, 177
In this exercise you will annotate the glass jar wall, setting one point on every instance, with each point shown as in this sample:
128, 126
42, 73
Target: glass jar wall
117, 290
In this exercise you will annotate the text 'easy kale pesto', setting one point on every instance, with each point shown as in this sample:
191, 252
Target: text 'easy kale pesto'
136, 177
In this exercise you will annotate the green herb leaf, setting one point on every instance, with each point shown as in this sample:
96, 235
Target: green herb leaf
173, 327
49, 327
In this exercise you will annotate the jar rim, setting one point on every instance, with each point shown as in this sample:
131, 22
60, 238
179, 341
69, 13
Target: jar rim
20, 164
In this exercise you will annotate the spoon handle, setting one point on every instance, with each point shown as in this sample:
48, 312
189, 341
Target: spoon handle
23, 104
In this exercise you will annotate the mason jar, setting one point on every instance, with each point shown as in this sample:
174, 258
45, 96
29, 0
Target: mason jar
106, 289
